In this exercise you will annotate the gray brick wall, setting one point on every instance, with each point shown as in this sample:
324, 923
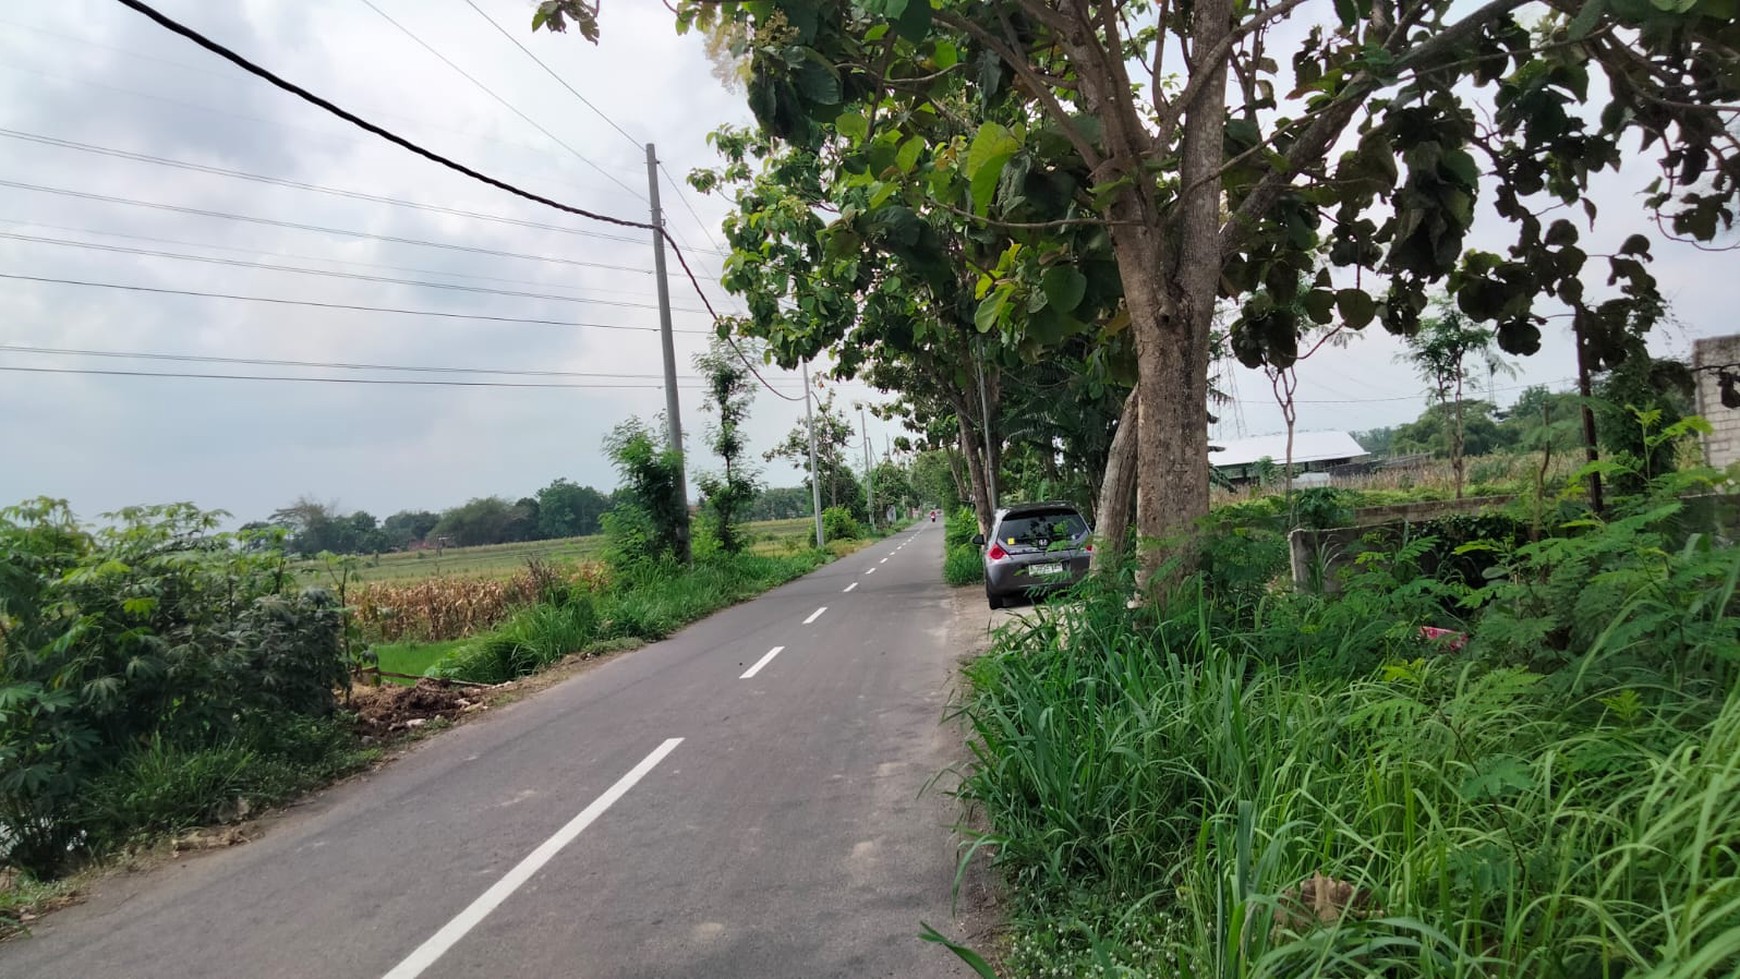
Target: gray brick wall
1721, 446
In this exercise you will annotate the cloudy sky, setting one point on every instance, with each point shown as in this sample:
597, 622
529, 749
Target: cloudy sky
94, 74
93, 99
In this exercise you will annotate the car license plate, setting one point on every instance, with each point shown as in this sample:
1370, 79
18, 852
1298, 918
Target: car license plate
1045, 569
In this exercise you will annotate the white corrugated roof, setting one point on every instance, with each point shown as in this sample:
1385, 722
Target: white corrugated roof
1307, 447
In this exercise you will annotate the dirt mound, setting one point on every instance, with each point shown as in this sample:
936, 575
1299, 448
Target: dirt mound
388, 708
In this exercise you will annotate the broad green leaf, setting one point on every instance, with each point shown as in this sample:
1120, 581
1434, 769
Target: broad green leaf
1586, 19
1064, 287
990, 311
818, 82
907, 157
1357, 308
992, 149
852, 125
947, 55
913, 23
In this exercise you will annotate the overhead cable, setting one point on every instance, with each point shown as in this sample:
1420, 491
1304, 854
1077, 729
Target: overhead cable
434, 314
396, 381
322, 229
505, 103
333, 274
432, 156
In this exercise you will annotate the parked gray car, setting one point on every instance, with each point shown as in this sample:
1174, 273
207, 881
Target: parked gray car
1034, 548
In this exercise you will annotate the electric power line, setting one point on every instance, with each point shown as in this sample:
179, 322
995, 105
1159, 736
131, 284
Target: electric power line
315, 304
395, 381
325, 365
297, 226
307, 258
333, 274
551, 72
68, 144
505, 103
302, 93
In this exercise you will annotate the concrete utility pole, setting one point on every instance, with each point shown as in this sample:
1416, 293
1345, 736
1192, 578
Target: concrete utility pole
673, 423
815, 477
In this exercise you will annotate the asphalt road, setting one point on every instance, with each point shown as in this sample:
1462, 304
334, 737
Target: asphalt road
572, 835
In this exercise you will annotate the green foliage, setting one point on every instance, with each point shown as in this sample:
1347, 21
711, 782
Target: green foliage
963, 565
567, 509
1154, 779
649, 522
963, 561
153, 630
1322, 507
528, 642
647, 602
726, 497
839, 524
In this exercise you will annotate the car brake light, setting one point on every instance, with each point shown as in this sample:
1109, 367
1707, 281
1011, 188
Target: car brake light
996, 553
1088, 548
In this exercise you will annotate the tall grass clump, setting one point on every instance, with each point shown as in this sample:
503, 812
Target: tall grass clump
1272, 784
962, 564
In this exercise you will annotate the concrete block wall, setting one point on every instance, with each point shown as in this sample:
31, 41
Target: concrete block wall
1722, 446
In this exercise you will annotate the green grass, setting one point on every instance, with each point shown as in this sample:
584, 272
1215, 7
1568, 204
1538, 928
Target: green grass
1159, 783
646, 604
413, 657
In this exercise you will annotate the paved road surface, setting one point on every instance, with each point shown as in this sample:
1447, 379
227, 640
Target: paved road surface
569, 835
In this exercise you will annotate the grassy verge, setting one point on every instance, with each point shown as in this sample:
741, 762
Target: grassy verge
646, 604
1304, 786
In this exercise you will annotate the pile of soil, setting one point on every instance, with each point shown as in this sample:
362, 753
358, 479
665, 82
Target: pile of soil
389, 708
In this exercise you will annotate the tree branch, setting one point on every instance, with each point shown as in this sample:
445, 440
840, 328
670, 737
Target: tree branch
1172, 112
1030, 225
1021, 66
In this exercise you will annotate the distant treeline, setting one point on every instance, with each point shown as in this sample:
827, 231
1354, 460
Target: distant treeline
561, 509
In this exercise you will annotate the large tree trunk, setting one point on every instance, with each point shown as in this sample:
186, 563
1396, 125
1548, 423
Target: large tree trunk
1118, 488
975, 470
1170, 267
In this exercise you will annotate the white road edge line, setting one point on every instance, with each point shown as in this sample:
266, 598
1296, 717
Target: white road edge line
870, 571
815, 615
850, 586
427, 953
775, 651
883, 561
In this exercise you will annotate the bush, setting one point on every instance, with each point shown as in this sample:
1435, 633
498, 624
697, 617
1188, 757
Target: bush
839, 524
155, 631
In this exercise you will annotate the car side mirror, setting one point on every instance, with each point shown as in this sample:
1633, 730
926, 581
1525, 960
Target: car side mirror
979, 540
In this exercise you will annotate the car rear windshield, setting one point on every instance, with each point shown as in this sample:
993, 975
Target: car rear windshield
1052, 525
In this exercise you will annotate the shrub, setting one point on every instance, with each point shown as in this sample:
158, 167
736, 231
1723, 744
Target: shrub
154, 631
839, 524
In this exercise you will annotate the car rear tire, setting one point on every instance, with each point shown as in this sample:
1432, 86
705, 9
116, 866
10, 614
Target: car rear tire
995, 601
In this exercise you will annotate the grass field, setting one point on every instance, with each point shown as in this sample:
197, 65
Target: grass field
503, 559
413, 657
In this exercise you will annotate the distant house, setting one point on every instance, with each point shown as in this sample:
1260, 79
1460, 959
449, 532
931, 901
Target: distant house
1313, 452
